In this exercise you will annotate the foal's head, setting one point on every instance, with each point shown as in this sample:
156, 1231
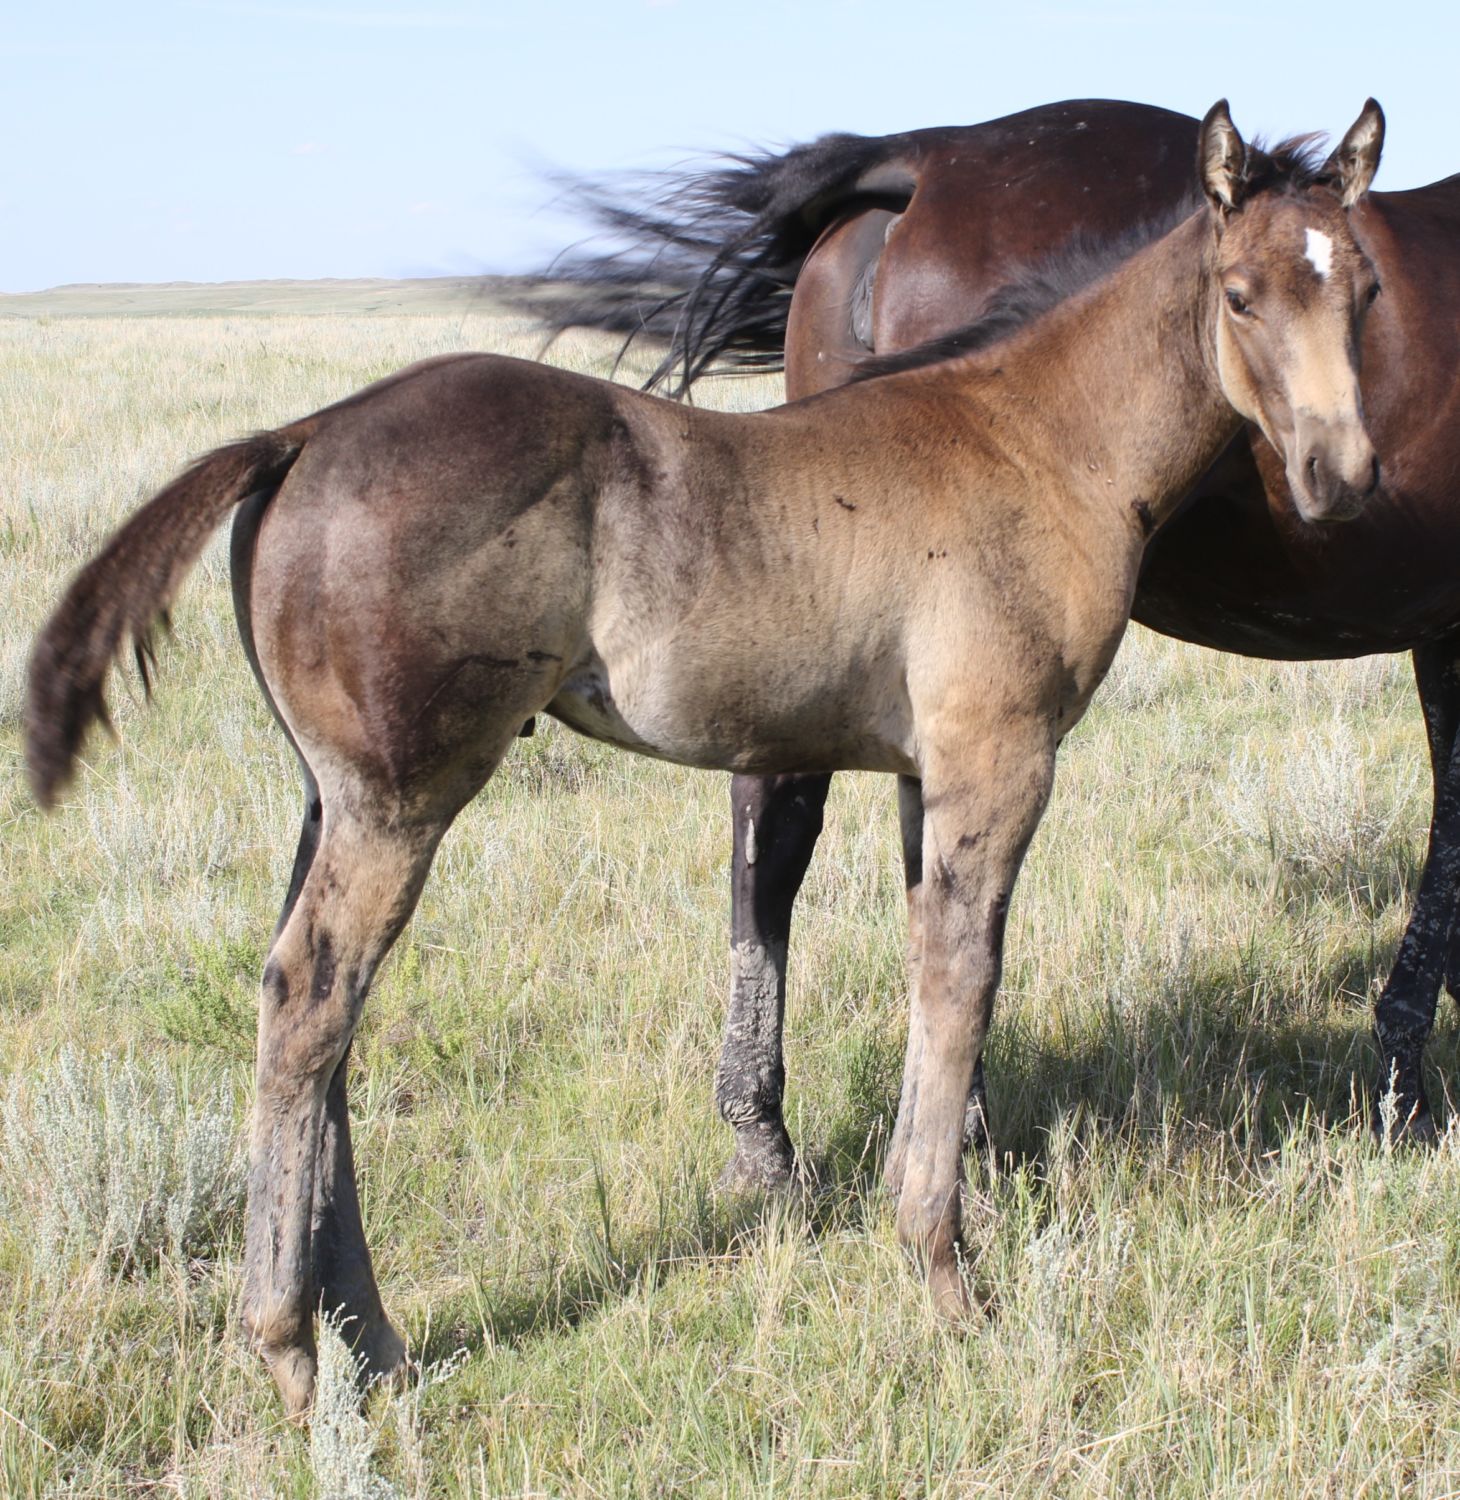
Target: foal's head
1295, 287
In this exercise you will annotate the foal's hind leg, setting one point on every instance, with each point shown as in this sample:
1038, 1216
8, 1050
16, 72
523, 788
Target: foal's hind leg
1405, 1012
344, 1277
344, 1274
360, 888
777, 820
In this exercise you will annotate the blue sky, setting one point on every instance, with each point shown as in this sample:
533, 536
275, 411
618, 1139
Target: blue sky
216, 139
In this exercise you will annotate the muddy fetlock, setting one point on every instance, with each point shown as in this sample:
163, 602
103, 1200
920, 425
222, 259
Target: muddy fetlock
764, 1160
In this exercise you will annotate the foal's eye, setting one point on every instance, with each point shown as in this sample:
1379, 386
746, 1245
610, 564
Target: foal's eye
1237, 302
1373, 293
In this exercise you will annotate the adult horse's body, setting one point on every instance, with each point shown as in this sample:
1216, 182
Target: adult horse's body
858, 246
905, 575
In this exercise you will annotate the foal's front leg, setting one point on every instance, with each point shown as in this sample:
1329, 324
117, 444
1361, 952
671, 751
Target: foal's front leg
975, 1115
981, 808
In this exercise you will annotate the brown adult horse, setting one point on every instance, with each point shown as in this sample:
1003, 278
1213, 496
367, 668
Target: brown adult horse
905, 575
853, 247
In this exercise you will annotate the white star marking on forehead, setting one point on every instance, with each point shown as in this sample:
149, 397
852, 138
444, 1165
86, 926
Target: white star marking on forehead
1319, 250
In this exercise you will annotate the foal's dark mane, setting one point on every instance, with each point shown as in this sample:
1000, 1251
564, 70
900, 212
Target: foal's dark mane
1289, 167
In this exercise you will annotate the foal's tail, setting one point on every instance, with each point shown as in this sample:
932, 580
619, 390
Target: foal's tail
708, 259
122, 594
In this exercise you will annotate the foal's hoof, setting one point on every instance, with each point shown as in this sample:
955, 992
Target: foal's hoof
949, 1291
293, 1369
958, 1295
764, 1160
976, 1139
382, 1355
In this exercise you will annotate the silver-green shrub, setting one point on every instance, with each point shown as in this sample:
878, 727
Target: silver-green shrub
115, 1163
341, 1440
1312, 805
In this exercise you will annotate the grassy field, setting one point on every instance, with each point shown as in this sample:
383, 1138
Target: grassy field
1208, 1280
445, 296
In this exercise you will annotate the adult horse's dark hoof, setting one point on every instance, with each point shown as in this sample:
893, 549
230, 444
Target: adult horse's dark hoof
764, 1160
1401, 1122
1399, 1112
976, 1139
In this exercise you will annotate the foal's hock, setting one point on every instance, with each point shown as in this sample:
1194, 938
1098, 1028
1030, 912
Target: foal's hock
927, 574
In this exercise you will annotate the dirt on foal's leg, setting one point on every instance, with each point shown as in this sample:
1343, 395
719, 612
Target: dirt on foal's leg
361, 887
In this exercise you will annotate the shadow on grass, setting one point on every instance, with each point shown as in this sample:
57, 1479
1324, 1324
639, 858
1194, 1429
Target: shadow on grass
1210, 1049
696, 1225
1217, 1049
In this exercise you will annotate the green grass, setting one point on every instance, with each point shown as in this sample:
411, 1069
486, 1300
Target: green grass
1207, 1281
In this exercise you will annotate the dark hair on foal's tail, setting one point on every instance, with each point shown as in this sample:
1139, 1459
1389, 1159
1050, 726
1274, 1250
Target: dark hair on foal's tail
707, 260
123, 593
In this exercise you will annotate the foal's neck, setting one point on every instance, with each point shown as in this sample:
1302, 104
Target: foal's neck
1121, 380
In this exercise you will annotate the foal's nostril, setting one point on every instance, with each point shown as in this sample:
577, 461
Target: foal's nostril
1310, 470
1373, 476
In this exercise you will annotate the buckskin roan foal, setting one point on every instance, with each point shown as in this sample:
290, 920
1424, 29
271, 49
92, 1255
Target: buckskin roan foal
926, 574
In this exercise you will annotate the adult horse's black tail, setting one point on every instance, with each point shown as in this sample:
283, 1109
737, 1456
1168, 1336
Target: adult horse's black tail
705, 261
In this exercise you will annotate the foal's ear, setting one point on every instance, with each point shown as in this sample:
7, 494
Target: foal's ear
1352, 166
1221, 158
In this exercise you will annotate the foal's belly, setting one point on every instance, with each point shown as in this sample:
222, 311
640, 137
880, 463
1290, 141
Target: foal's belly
761, 715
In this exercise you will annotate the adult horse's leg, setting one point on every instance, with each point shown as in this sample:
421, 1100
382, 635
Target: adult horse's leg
777, 820
1405, 1012
980, 810
360, 887
1441, 702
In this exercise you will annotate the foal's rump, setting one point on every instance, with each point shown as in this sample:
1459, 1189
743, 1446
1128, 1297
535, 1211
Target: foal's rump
425, 534
421, 581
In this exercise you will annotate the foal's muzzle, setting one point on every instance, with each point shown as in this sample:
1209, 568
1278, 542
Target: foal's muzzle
1336, 475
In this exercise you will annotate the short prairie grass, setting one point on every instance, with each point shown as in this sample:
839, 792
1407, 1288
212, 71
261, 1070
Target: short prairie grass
1205, 1279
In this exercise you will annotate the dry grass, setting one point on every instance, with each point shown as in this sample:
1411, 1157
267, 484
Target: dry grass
1207, 1282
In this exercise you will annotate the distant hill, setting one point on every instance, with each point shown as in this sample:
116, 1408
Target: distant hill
436, 294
